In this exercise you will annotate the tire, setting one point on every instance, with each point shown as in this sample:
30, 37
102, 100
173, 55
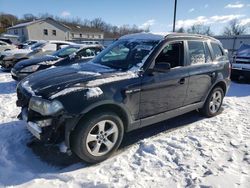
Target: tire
95, 132
215, 98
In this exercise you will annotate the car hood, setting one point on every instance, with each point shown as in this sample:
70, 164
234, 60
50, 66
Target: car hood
17, 51
54, 82
34, 61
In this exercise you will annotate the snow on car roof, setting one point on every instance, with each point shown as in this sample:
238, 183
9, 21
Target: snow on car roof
144, 36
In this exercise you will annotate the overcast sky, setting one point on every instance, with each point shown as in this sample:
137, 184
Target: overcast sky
158, 14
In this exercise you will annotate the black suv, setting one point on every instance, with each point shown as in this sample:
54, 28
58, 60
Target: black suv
137, 81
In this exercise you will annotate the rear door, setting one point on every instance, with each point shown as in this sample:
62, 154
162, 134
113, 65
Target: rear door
202, 71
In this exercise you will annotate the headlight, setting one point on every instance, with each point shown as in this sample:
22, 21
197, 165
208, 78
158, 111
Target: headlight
45, 107
31, 68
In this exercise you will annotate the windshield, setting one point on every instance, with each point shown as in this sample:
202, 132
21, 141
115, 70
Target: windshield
64, 52
125, 54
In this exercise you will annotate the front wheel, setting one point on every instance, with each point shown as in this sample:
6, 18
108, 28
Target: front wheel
213, 103
98, 137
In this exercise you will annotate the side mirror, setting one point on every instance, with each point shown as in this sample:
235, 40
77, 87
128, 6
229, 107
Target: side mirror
162, 67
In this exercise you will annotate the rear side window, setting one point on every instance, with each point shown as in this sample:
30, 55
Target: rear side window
197, 53
217, 50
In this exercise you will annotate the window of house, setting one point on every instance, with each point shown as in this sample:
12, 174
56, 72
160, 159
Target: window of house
93, 36
196, 52
217, 50
172, 54
87, 35
54, 32
45, 31
100, 36
72, 35
80, 35
15, 31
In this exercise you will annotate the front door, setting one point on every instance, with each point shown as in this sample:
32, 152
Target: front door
164, 91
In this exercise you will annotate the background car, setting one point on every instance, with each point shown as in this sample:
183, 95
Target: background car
10, 58
241, 63
4, 46
77, 53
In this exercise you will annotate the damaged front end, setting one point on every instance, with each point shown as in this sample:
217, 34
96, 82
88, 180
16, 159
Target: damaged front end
44, 118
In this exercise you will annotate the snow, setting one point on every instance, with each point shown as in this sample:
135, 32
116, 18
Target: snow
94, 92
113, 78
28, 88
143, 36
188, 151
66, 91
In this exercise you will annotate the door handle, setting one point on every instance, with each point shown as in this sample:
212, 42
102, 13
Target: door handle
182, 81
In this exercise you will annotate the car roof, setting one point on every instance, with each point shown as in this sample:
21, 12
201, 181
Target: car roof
162, 36
86, 45
60, 41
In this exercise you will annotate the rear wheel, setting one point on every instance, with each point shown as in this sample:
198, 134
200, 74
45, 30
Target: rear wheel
213, 103
98, 137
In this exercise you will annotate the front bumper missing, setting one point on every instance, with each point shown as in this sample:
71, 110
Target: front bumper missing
41, 129
34, 129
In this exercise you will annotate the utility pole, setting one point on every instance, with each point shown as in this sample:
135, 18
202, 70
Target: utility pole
175, 5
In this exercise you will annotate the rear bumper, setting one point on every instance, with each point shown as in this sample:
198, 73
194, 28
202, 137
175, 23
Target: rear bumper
241, 72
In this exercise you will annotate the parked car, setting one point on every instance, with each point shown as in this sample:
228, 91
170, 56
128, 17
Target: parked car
77, 53
4, 46
11, 57
5, 40
139, 80
27, 44
241, 63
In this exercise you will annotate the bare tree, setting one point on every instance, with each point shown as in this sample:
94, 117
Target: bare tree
200, 29
7, 20
29, 17
180, 30
234, 28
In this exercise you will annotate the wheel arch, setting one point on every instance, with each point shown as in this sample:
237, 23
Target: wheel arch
119, 109
220, 83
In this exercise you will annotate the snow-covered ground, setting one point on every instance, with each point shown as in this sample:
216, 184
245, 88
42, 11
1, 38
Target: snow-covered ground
188, 151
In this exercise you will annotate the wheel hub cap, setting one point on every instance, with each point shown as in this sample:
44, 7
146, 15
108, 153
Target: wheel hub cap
102, 138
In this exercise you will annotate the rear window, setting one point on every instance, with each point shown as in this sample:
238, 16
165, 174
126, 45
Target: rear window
217, 50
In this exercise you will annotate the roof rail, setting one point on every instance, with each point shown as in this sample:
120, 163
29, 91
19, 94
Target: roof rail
189, 35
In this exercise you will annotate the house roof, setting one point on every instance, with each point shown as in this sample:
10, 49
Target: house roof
80, 28
26, 24
70, 26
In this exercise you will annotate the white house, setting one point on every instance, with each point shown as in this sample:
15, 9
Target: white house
49, 29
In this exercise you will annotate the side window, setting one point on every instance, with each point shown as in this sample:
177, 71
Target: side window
172, 54
196, 52
208, 58
218, 53
87, 52
97, 51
